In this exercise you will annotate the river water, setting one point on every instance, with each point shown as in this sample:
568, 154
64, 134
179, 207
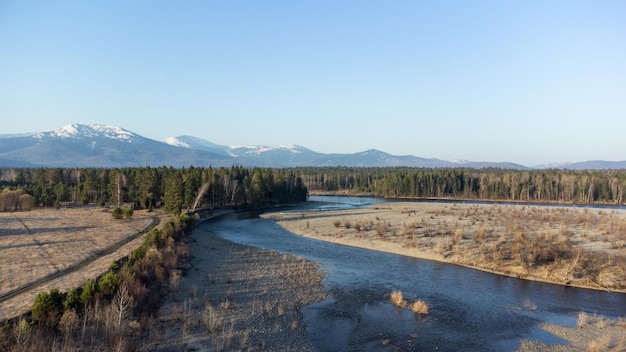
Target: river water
470, 310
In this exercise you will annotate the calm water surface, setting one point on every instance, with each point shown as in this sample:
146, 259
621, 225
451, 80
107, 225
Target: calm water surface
469, 309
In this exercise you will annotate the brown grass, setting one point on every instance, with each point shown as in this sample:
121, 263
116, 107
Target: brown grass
575, 246
397, 299
39, 242
420, 307
417, 307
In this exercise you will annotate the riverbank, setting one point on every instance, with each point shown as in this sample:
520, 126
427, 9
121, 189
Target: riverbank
471, 235
590, 334
577, 247
235, 297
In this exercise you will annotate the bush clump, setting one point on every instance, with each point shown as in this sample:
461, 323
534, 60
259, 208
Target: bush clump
417, 307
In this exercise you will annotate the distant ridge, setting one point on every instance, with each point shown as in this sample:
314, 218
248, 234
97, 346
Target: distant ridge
79, 145
97, 145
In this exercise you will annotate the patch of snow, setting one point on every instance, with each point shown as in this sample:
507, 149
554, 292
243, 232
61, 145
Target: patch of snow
65, 131
260, 149
176, 142
113, 132
94, 131
243, 146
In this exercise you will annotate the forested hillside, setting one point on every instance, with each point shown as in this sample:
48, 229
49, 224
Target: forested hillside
565, 186
174, 189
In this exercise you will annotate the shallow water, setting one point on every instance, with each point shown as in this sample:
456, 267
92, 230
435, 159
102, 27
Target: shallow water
469, 309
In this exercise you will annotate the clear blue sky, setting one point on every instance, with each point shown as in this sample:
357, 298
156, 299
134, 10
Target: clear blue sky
527, 81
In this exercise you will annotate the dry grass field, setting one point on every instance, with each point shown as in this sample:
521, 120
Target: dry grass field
567, 245
38, 243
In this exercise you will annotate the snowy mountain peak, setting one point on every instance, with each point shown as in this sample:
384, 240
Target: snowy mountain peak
78, 131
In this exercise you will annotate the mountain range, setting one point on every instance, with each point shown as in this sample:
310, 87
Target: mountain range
96, 145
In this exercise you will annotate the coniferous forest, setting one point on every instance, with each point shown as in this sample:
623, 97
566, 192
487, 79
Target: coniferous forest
176, 189
562, 186
172, 189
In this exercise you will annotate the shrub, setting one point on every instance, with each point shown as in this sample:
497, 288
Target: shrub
154, 238
602, 343
72, 300
48, 307
138, 253
420, 307
381, 229
397, 299
107, 284
128, 213
21, 333
117, 213
89, 290
212, 318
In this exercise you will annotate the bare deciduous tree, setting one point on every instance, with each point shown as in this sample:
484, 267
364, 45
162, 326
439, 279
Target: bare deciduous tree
123, 304
200, 195
21, 333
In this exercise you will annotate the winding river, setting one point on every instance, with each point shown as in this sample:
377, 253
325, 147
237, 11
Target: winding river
470, 310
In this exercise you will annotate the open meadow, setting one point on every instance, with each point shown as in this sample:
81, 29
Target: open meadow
40, 244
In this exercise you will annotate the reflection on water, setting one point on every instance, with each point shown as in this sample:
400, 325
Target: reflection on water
469, 309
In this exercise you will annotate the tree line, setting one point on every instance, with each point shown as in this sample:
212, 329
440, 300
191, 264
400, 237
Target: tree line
565, 186
177, 189
174, 189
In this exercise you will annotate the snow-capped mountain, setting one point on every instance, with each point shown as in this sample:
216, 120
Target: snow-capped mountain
97, 145
278, 156
197, 143
79, 145
78, 131
295, 155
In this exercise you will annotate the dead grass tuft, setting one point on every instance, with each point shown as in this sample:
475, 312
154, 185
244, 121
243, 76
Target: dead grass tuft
397, 299
417, 307
582, 319
420, 307
601, 344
